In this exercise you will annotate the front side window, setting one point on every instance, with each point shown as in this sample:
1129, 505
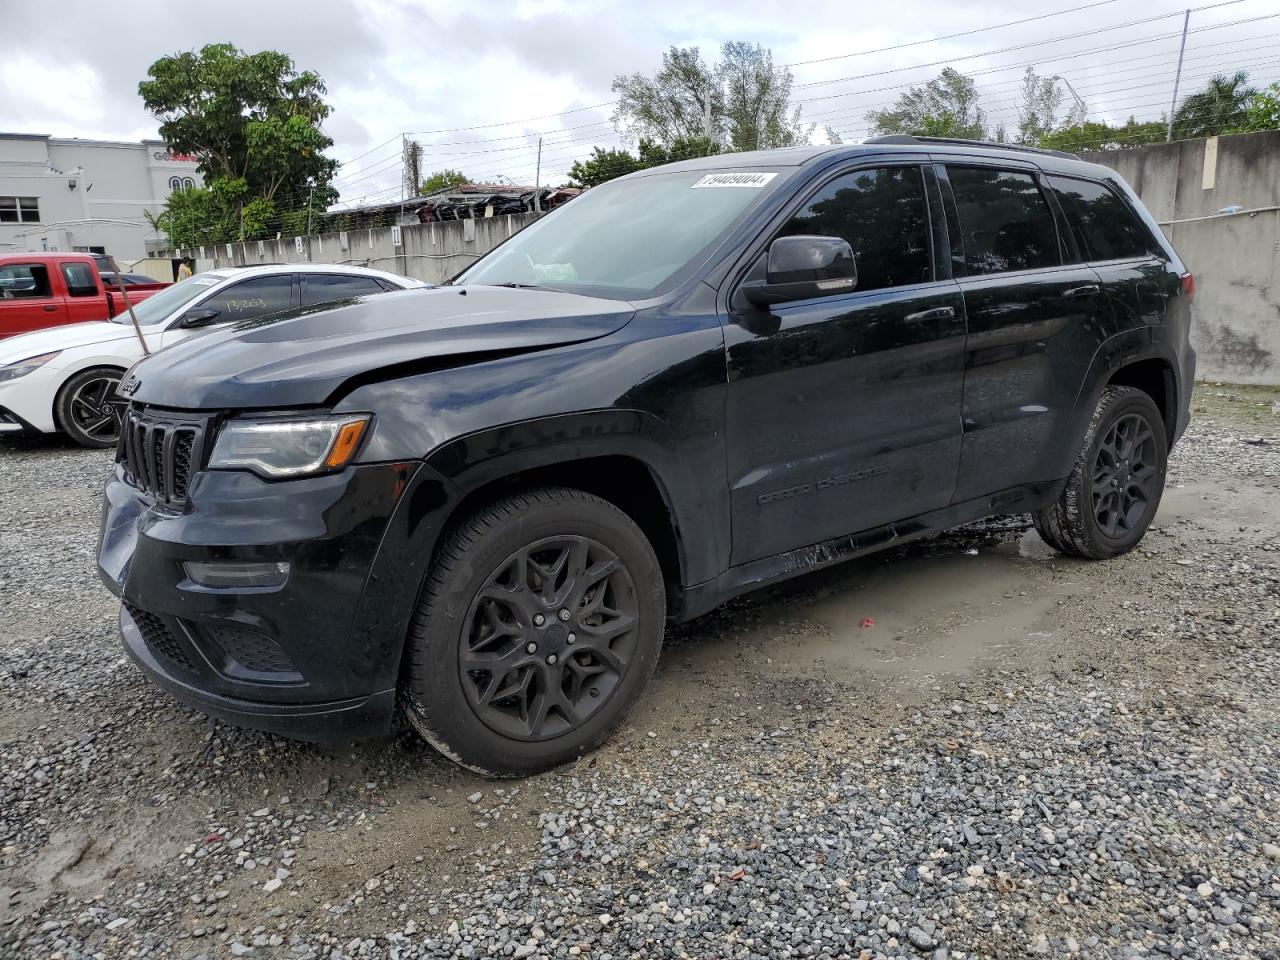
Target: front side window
1104, 226
80, 280
21, 280
253, 298
1005, 222
325, 287
628, 238
19, 210
882, 213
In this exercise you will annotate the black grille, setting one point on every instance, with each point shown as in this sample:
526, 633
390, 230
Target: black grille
250, 650
160, 454
159, 638
7, 417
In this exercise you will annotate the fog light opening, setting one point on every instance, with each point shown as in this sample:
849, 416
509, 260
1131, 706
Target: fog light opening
222, 574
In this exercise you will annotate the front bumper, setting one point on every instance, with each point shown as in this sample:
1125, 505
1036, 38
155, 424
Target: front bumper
303, 658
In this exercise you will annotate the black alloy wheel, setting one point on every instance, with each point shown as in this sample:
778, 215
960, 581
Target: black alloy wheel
539, 624
89, 408
1115, 486
1124, 471
551, 636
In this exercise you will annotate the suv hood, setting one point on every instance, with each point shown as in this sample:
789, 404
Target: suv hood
303, 357
64, 337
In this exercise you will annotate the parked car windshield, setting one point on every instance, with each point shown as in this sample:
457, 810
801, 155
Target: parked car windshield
159, 308
627, 239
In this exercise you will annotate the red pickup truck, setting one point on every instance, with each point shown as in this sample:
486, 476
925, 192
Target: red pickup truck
39, 290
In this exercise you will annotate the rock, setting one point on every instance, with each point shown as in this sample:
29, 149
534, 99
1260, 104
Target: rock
919, 939
272, 885
475, 797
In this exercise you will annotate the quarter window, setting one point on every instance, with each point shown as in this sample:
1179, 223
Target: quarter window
19, 210
324, 287
21, 280
1005, 222
881, 212
254, 298
1103, 224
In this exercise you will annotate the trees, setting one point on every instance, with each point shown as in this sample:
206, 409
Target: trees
748, 98
1101, 136
1263, 112
946, 106
757, 100
605, 165
254, 121
1042, 98
1222, 106
443, 180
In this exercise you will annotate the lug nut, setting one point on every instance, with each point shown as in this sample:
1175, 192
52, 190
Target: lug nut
532, 648
539, 619
572, 638
564, 614
552, 658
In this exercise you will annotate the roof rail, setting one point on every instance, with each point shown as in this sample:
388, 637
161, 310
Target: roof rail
960, 142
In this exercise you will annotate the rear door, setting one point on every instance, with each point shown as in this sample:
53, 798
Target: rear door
1137, 278
1034, 321
30, 299
843, 411
85, 297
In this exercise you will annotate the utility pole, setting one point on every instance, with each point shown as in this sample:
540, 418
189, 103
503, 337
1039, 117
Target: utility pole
1177, 77
537, 181
706, 117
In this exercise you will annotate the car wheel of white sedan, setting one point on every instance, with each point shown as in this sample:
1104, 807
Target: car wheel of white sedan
89, 409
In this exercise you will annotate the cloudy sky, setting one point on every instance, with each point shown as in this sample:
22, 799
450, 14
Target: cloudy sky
478, 83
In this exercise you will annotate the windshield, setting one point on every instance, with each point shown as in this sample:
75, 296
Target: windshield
159, 308
626, 239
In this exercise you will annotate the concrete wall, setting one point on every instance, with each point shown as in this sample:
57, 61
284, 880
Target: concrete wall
1235, 258
433, 252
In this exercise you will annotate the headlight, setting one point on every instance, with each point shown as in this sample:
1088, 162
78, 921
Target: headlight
20, 369
289, 448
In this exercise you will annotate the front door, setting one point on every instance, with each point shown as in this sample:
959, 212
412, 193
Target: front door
843, 411
28, 300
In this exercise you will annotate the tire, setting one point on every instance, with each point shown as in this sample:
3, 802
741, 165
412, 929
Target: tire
88, 392
1112, 495
472, 686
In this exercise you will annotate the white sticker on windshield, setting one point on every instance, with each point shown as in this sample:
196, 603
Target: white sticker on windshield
752, 180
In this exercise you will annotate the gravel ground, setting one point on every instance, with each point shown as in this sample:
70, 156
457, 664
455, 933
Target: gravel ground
969, 747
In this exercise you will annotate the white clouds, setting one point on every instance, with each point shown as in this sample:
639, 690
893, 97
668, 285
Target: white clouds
446, 65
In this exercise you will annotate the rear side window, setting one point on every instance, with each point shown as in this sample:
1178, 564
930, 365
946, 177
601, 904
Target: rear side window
324, 287
1103, 224
1005, 222
80, 280
881, 212
21, 280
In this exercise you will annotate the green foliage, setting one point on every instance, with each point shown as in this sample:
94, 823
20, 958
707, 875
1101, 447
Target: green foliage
443, 180
254, 122
1101, 136
1263, 112
946, 106
1221, 107
605, 165
748, 95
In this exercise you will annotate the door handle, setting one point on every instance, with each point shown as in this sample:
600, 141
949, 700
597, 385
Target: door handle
1080, 293
49, 308
937, 313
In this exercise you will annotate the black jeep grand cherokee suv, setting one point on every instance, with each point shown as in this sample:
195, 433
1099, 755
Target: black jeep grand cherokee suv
478, 505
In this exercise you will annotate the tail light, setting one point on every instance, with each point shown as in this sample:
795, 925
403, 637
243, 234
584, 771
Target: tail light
1188, 286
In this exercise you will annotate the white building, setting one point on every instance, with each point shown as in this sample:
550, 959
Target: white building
86, 195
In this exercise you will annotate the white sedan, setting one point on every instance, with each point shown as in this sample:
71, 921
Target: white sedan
65, 378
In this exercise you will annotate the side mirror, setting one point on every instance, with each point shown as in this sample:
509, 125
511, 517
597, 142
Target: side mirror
200, 317
804, 266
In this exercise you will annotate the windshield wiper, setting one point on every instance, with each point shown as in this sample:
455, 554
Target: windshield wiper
527, 286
